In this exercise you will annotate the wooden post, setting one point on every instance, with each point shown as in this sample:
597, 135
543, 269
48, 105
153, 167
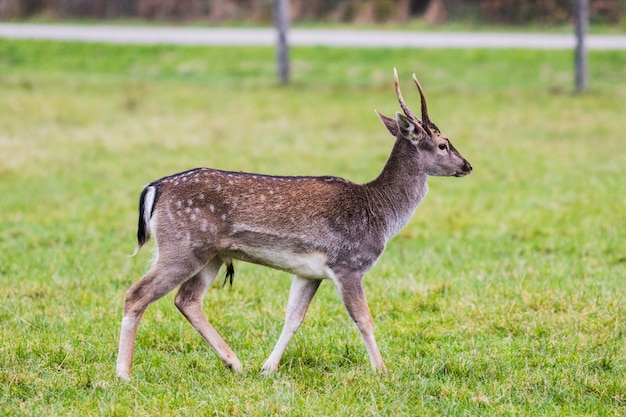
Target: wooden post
282, 47
581, 11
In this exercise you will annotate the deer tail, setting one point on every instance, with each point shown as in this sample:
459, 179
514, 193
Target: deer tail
147, 202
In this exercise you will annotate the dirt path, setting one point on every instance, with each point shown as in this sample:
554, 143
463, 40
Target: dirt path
303, 37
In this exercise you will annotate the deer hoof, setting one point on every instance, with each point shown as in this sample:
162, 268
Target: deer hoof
235, 367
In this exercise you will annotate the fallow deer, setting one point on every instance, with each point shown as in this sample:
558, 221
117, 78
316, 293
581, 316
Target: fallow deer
315, 228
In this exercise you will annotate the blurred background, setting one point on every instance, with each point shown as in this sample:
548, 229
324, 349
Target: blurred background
502, 12
503, 296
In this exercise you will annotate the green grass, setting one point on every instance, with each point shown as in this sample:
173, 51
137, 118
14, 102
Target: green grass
503, 296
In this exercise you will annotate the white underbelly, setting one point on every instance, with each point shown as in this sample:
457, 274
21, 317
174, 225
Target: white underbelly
305, 265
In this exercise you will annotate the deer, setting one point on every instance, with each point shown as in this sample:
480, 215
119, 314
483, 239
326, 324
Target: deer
314, 227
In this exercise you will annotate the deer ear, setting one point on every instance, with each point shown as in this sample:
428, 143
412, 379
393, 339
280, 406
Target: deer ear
409, 129
390, 124
406, 126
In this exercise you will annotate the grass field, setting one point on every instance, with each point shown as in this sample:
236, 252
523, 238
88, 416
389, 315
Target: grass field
505, 294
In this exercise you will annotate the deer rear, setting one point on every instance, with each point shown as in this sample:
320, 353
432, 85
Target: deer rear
315, 228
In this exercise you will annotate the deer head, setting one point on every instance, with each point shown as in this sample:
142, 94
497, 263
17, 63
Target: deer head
437, 156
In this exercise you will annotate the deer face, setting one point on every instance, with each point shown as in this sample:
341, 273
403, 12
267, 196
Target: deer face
442, 158
437, 156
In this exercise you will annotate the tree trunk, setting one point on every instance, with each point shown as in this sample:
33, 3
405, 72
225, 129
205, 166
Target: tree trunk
582, 21
435, 12
282, 47
222, 10
403, 10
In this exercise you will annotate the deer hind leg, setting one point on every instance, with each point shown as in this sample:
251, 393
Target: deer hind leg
188, 300
300, 295
353, 297
162, 278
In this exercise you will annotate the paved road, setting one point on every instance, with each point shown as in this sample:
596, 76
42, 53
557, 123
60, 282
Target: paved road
302, 37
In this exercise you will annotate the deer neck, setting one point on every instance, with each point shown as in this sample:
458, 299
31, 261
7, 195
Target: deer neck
399, 188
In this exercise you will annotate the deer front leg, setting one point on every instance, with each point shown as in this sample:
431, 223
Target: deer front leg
188, 300
300, 295
351, 291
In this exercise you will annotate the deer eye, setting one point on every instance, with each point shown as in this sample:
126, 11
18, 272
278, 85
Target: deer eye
443, 146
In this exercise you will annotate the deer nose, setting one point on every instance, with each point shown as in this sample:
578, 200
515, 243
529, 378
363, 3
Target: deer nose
467, 167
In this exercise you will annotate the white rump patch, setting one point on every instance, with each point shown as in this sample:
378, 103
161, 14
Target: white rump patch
148, 203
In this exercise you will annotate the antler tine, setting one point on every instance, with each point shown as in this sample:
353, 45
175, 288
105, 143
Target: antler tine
403, 105
425, 117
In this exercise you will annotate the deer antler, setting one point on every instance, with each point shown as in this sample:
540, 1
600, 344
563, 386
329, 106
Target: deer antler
425, 118
405, 108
